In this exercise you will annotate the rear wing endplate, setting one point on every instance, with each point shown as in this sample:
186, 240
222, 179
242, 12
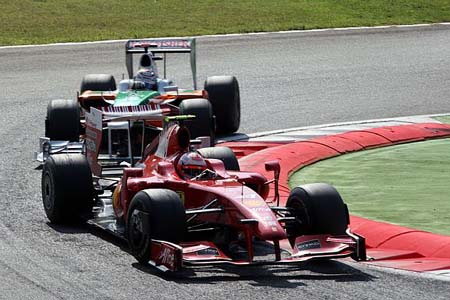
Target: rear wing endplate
164, 46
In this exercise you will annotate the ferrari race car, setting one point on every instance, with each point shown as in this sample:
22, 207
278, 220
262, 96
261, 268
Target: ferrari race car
216, 107
181, 205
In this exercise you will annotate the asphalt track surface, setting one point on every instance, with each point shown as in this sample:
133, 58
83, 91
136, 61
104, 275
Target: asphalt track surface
287, 80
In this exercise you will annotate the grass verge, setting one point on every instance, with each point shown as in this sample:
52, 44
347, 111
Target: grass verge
443, 119
405, 184
46, 21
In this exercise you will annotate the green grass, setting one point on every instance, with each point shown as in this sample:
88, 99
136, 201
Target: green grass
406, 184
46, 21
443, 119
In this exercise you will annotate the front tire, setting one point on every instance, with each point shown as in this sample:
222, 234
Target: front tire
67, 189
63, 120
223, 93
98, 82
154, 214
319, 209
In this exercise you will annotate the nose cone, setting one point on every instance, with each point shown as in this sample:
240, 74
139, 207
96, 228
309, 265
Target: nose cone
269, 228
264, 223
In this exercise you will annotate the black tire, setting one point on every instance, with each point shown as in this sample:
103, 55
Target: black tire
63, 120
319, 209
166, 221
98, 82
203, 124
225, 154
223, 93
67, 189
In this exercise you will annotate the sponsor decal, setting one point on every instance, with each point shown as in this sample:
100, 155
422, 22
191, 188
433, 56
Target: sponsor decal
208, 251
244, 197
254, 203
312, 244
268, 217
167, 258
134, 109
262, 209
162, 44
173, 44
93, 139
90, 145
91, 133
94, 119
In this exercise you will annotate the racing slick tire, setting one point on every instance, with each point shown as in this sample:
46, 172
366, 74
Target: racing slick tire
223, 93
203, 124
98, 82
225, 154
63, 120
154, 214
319, 209
67, 189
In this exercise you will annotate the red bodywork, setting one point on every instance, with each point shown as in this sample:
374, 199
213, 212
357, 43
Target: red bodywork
242, 196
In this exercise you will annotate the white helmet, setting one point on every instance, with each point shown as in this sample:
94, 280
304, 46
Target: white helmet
147, 72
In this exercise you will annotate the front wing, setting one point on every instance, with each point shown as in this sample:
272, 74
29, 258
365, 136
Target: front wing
171, 257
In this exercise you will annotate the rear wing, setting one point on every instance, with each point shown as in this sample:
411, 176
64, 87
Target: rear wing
164, 46
120, 118
117, 118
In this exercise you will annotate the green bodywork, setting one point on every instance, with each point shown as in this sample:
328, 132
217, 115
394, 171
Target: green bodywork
134, 97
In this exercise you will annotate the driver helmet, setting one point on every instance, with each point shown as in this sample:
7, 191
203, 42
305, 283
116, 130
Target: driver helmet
191, 164
147, 72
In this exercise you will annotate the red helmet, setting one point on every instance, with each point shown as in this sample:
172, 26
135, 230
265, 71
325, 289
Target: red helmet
191, 164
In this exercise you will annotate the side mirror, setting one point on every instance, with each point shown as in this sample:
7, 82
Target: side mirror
273, 165
170, 88
125, 85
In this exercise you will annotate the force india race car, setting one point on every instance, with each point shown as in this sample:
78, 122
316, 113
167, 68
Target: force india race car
179, 205
216, 107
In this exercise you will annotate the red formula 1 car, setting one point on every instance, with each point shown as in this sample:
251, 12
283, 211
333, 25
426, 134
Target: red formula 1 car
180, 206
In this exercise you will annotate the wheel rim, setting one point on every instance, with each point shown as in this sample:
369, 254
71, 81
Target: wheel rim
301, 215
48, 193
136, 235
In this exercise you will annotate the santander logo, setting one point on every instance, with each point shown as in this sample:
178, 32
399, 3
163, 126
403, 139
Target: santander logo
167, 258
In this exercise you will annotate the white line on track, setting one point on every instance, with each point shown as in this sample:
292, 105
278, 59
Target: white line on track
409, 119
244, 34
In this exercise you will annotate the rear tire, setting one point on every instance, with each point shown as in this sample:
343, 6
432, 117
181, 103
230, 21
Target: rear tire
166, 221
67, 189
203, 124
223, 93
63, 120
319, 209
98, 82
225, 154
